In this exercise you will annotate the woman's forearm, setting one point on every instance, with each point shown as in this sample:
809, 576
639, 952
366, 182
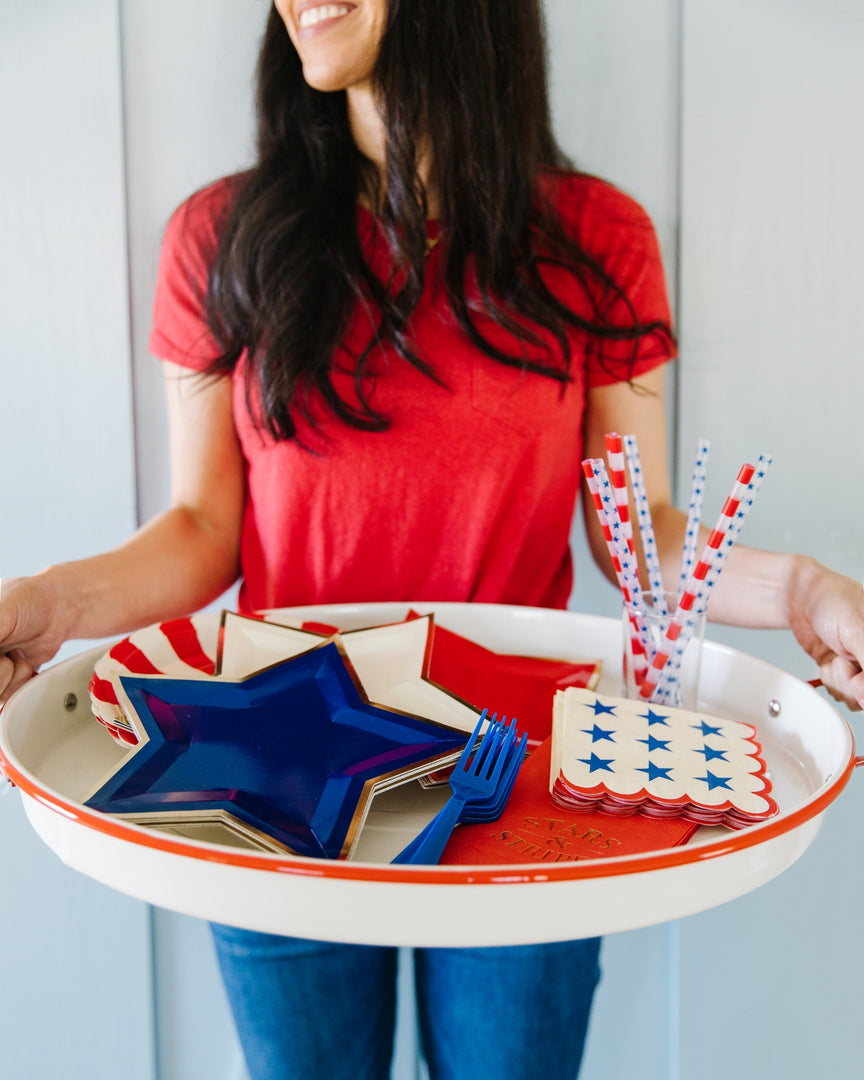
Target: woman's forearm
755, 589
172, 566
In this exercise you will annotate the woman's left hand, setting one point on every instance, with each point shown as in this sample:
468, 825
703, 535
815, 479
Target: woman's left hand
826, 614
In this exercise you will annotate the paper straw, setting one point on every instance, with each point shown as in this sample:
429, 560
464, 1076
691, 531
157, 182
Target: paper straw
641, 645
596, 498
629, 578
694, 513
682, 621
762, 466
598, 482
719, 560
733, 530
693, 600
669, 680
618, 480
646, 525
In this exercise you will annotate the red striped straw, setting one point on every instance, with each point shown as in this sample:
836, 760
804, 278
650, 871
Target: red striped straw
762, 466
734, 530
604, 505
596, 498
683, 619
646, 525
640, 639
629, 577
618, 479
594, 470
722, 553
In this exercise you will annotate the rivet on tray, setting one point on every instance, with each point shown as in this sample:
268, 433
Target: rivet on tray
774, 708
70, 702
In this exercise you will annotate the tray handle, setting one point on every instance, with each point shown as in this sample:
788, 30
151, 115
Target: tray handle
859, 758
6, 785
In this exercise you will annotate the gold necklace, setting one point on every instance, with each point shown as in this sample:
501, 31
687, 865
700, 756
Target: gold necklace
431, 244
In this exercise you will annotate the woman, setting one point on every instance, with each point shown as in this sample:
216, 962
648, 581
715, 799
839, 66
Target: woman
387, 348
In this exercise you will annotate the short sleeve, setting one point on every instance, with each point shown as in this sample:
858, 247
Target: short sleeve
179, 330
616, 232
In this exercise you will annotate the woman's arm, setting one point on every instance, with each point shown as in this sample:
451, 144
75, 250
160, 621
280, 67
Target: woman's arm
757, 588
176, 563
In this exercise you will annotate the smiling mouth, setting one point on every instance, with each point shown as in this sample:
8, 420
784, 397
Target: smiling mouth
313, 16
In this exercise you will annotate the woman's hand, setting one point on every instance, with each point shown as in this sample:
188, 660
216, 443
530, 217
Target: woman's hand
826, 614
173, 565
15, 670
30, 632
824, 609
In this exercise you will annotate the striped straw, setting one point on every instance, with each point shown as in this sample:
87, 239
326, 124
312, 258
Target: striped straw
733, 531
646, 525
668, 690
629, 579
622, 561
618, 479
762, 466
596, 498
641, 645
719, 560
682, 621
594, 470
720, 557
694, 513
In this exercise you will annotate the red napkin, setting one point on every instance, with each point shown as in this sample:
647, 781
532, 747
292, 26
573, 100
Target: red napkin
520, 687
533, 828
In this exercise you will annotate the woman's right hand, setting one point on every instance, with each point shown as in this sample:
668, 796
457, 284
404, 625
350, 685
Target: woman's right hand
181, 560
29, 630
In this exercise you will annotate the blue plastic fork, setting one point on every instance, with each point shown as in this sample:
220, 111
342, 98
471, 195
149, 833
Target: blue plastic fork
477, 810
488, 808
481, 782
481, 809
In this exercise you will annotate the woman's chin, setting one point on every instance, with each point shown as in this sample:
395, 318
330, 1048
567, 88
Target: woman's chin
329, 78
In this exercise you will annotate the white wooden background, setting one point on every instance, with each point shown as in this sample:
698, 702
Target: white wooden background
737, 124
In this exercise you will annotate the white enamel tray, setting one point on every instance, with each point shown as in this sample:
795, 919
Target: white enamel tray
53, 750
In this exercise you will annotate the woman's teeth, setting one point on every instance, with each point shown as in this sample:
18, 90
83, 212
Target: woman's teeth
311, 16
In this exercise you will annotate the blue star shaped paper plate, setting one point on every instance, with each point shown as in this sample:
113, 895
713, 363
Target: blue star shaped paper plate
288, 756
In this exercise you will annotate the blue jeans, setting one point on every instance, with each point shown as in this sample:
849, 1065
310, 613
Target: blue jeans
310, 1009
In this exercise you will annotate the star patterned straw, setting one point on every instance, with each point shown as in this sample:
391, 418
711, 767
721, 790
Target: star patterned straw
762, 466
616, 477
628, 577
694, 513
722, 553
646, 525
683, 621
594, 492
656, 670
733, 530
626, 559
598, 482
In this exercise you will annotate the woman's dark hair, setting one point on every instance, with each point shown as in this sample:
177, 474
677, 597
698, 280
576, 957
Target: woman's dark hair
467, 79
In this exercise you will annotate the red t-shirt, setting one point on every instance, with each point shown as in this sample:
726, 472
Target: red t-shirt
469, 495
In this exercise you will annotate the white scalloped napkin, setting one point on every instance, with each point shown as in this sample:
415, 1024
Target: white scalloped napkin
625, 757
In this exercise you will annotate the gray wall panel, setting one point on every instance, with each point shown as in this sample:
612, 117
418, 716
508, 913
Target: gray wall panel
75, 993
772, 290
